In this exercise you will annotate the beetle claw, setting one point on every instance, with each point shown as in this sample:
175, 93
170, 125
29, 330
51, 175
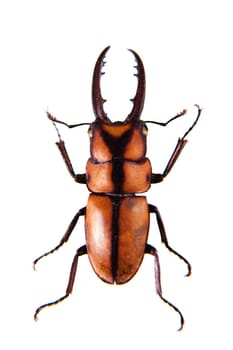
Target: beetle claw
138, 100
98, 100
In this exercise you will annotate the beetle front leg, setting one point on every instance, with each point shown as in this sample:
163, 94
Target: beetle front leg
151, 250
155, 178
154, 209
80, 178
66, 235
81, 251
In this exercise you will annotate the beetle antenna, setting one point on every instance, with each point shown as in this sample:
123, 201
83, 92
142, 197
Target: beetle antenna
178, 116
70, 126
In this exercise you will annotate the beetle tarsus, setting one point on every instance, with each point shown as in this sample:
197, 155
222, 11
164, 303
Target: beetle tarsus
81, 251
151, 250
177, 310
45, 254
189, 267
38, 310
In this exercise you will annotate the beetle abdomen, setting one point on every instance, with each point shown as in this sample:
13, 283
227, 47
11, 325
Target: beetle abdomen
116, 234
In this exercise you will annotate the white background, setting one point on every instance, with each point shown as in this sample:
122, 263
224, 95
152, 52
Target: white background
48, 51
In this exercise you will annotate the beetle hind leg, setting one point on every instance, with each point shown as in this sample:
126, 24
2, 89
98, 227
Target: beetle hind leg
81, 251
151, 250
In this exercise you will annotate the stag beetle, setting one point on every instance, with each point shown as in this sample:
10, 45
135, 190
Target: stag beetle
116, 217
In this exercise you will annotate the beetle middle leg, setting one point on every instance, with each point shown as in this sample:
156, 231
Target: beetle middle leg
151, 250
154, 209
81, 251
66, 235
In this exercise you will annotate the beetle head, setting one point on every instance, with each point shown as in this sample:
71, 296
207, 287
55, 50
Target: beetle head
98, 101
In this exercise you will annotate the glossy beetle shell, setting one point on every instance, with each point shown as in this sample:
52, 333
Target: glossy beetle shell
116, 235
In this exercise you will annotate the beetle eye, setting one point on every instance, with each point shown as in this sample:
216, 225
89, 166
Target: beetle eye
144, 130
90, 132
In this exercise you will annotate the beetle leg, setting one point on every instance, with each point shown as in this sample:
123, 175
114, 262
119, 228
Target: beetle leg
80, 178
155, 178
81, 251
177, 151
66, 235
151, 250
154, 209
179, 147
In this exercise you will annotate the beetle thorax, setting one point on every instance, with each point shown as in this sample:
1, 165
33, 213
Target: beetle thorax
117, 140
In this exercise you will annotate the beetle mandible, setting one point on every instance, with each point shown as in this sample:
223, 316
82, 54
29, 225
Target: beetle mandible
117, 172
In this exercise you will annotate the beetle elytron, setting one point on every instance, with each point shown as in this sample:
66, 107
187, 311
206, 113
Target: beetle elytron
116, 217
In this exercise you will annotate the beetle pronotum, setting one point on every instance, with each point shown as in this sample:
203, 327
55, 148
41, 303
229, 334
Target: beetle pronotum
117, 172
